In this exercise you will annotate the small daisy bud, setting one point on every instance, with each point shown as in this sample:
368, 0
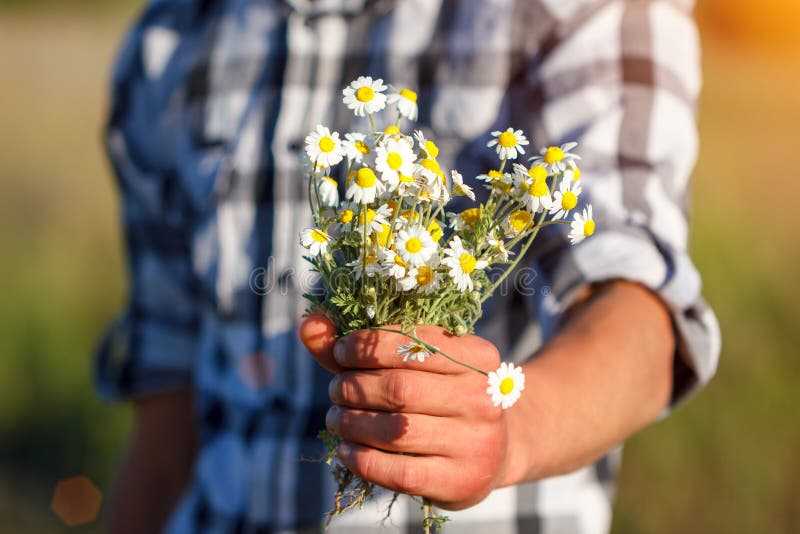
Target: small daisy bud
461, 330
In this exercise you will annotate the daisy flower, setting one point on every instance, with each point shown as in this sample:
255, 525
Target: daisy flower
535, 194
315, 240
573, 173
582, 226
406, 101
407, 185
382, 235
565, 199
518, 221
324, 147
496, 180
460, 188
393, 264
557, 158
430, 169
365, 96
365, 264
505, 385
365, 186
435, 229
328, 191
355, 146
508, 143
394, 158
534, 172
413, 351
462, 264
467, 218
427, 145
373, 219
498, 247
422, 277
415, 245
344, 218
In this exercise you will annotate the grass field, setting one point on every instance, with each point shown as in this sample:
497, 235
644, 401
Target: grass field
726, 463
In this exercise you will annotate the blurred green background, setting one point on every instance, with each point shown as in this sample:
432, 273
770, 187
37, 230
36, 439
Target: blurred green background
726, 463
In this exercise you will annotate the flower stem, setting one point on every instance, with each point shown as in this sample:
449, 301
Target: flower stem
427, 513
431, 348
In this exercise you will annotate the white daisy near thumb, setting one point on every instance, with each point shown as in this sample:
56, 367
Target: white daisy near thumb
505, 385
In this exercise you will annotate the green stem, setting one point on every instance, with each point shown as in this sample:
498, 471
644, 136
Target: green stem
427, 513
429, 347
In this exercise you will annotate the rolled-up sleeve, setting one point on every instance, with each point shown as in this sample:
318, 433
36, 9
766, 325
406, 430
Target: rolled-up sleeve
624, 80
151, 347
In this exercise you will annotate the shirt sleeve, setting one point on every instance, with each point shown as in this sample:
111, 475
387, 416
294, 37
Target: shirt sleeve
151, 347
623, 79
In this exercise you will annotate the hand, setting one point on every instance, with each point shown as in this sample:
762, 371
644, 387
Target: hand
425, 429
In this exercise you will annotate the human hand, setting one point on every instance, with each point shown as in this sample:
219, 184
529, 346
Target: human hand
425, 429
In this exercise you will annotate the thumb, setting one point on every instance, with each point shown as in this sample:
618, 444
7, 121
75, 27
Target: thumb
318, 334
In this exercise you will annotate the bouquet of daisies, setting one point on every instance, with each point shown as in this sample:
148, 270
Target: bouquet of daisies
391, 253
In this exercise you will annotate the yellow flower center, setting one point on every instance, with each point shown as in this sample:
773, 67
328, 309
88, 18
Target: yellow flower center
576, 173
366, 216
362, 147
408, 94
467, 262
507, 139
424, 275
416, 349
538, 188
382, 237
435, 230
406, 179
392, 129
431, 149
365, 177
398, 260
553, 154
519, 220
326, 144
537, 172
365, 94
319, 236
330, 180
507, 385
589, 227
432, 165
394, 160
410, 215
569, 200
470, 216
413, 245
494, 174
345, 216
371, 259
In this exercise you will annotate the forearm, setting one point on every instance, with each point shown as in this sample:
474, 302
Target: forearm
606, 375
157, 467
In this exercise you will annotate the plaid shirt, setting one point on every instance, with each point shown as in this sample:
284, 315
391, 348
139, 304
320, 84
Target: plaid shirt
211, 102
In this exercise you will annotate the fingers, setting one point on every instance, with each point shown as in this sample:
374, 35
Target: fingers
378, 349
408, 391
318, 334
433, 477
407, 433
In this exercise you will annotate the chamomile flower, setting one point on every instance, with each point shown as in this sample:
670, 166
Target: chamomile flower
366, 263
364, 187
373, 219
393, 159
534, 172
324, 148
509, 144
423, 278
565, 199
460, 188
393, 264
535, 194
315, 240
355, 146
345, 218
435, 229
498, 248
430, 169
406, 101
415, 245
582, 226
365, 96
496, 180
462, 264
573, 173
413, 351
557, 158
426, 145
466, 219
505, 385
518, 221
328, 192
407, 185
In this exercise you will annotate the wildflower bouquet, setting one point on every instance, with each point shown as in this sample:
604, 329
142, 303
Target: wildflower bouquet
390, 252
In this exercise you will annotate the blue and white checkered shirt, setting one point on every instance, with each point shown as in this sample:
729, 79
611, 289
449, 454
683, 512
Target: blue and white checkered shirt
211, 101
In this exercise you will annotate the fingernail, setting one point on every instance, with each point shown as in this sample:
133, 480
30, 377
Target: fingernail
333, 387
344, 450
339, 351
332, 419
